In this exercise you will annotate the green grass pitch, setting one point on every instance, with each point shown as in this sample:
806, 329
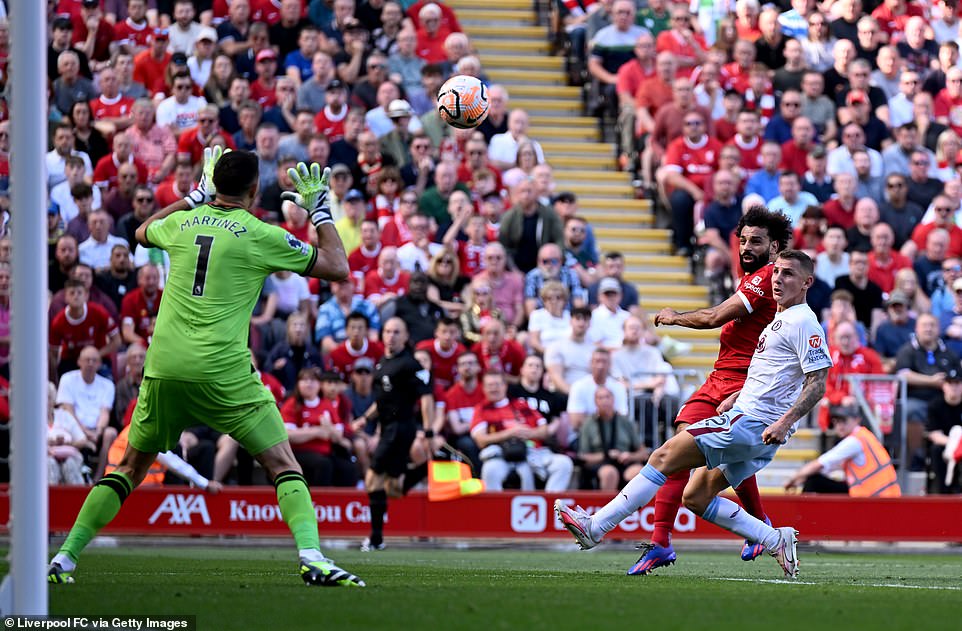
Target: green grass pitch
424, 589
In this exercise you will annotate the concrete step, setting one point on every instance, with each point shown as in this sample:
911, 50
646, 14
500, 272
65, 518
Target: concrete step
567, 121
525, 32
554, 134
581, 163
458, 5
555, 148
508, 61
547, 91
505, 18
700, 335
672, 263
511, 46
678, 304
513, 78
663, 277
703, 364
600, 219
625, 206
631, 246
681, 291
630, 234
617, 190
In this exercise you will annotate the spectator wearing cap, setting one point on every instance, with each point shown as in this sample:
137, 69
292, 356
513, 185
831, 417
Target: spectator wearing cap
923, 362
943, 431
608, 318
861, 114
150, 66
896, 331
349, 225
883, 260
397, 142
350, 60
201, 62
264, 86
62, 33
184, 31
867, 465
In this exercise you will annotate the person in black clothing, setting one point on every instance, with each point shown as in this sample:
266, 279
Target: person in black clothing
531, 389
289, 356
420, 314
945, 412
868, 295
400, 383
119, 277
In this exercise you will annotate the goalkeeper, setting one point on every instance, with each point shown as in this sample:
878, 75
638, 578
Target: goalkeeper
198, 368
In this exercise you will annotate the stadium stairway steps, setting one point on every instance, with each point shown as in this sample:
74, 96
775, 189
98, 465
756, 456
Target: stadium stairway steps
513, 50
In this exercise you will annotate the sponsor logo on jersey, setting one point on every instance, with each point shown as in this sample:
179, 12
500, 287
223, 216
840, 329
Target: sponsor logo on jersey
777, 325
817, 355
761, 345
296, 244
757, 280
754, 289
815, 341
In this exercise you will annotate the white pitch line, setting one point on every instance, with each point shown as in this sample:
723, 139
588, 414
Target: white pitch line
882, 585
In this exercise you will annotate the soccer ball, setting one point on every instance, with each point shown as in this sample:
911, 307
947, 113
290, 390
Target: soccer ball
463, 102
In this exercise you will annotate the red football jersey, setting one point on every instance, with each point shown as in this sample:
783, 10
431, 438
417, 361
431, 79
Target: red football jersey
190, 143
462, 402
273, 386
470, 257
740, 336
343, 357
697, 162
508, 359
362, 261
263, 94
374, 285
734, 77
131, 33
751, 151
395, 233
945, 105
329, 124
301, 415
137, 310
493, 417
444, 366
105, 173
117, 107
93, 329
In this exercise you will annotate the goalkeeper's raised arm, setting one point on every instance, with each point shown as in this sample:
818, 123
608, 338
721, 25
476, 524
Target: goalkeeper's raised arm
312, 195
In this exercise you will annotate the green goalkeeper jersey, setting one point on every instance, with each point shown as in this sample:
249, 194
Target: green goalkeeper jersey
219, 258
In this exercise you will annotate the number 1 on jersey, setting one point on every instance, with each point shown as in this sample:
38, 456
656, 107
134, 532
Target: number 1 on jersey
203, 256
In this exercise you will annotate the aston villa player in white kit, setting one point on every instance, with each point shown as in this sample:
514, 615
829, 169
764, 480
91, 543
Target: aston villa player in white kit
786, 378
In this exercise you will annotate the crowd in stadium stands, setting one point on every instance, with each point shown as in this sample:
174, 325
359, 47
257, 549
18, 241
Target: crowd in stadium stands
846, 116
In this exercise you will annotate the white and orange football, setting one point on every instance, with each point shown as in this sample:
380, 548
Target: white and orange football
463, 102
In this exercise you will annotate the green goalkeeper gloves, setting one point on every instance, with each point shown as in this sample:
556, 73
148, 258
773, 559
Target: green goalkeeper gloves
206, 191
312, 190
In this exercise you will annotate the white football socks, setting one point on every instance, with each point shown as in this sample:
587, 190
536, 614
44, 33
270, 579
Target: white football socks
311, 555
730, 516
64, 562
636, 494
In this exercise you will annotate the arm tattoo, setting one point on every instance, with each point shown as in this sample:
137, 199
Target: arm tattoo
812, 392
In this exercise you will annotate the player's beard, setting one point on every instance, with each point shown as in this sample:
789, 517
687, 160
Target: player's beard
751, 263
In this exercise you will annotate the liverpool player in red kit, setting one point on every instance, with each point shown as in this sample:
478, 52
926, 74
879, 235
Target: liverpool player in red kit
761, 235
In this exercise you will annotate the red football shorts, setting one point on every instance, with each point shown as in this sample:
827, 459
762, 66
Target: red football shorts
704, 402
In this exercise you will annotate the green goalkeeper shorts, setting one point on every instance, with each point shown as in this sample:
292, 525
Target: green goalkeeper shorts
244, 409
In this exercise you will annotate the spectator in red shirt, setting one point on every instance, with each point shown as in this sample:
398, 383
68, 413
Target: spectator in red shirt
689, 161
893, 15
734, 75
364, 258
945, 210
111, 106
80, 324
150, 66
840, 210
849, 357
497, 353
388, 280
449, 19
177, 186
330, 120
105, 173
138, 311
262, 87
748, 140
795, 151
431, 34
883, 260
444, 349
92, 34
688, 46
357, 345
460, 401
134, 30
191, 144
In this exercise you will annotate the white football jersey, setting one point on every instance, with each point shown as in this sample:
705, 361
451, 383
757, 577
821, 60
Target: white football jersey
790, 347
